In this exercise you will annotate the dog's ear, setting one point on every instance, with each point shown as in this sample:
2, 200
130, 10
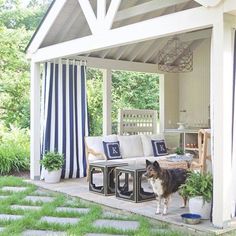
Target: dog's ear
156, 164
148, 163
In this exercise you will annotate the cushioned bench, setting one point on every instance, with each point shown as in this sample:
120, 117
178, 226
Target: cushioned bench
134, 149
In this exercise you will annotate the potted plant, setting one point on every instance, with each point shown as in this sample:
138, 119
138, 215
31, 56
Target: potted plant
198, 189
52, 162
179, 151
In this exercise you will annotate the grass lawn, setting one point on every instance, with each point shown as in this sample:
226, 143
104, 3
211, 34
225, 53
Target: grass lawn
31, 218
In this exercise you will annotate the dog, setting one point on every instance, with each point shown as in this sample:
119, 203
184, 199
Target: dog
164, 182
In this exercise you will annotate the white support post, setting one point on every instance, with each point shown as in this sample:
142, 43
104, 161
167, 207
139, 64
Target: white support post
34, 122
107, 81
221, 117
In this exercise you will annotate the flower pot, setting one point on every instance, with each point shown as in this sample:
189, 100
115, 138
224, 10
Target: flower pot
52, 176
198, 206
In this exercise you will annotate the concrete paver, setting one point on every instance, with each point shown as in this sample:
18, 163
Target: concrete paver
10, 217
14, 189
39, 199
71, 209
117, 224
60, 220
22, 207
42, 233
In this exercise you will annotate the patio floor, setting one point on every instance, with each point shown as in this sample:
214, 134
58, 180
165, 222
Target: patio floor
79, 188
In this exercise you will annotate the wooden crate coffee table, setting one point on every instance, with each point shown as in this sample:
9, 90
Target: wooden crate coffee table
137, 194
107, 169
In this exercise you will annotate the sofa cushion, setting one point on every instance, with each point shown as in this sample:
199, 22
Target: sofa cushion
147, 144
96, 143
131, 146
159, 147
112, 150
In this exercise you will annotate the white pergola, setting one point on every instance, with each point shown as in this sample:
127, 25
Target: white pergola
126, 35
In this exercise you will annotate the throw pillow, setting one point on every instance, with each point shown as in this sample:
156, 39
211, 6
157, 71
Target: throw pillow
159, 147
112, 150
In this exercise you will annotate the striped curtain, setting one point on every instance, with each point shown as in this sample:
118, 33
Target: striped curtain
234, 133
64, 122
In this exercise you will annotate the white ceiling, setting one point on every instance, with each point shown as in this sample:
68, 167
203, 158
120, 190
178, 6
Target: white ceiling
71, 24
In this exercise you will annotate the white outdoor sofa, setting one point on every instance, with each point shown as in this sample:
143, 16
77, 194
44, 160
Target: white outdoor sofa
135, 149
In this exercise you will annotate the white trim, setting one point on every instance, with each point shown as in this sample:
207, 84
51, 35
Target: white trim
221, 114
46, 25
107, 82
145, 8
153, 28
89, 15
120, 65
34, 121
101, 10
208, 3
111, 13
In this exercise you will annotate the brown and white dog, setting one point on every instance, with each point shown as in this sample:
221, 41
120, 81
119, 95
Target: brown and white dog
164, 182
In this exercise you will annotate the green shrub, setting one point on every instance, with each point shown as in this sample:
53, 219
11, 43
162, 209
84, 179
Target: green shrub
198, 184
14, 150
52, 161
179, 151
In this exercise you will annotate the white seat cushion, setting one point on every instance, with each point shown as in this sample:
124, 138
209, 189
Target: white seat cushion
147, 144
96, 143
131, 146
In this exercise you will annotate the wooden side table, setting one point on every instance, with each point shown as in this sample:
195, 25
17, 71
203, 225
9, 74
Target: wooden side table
137, 194
107, 168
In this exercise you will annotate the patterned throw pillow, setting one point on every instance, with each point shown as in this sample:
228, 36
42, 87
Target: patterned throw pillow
159, 147
112, 150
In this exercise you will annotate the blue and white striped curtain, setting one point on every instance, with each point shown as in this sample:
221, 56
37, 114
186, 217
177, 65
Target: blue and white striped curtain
234, 132
64, 122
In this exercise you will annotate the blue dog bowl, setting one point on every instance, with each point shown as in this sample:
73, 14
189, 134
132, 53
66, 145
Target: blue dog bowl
191, 219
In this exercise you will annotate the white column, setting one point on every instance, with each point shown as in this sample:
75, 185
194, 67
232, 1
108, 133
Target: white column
34, 121
221, 117
107, 81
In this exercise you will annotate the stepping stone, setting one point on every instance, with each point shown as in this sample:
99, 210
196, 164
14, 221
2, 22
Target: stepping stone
42, 192
25, 208
60, 220
1, 229
14, 189
10, 217
71, 209
114, 215
42, 232
39, 199
3, 197
117, 224
104, 235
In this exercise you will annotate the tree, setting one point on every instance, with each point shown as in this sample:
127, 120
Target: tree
17, 24
129, 90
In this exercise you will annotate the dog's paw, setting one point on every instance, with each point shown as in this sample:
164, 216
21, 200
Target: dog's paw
157, 212
164, 213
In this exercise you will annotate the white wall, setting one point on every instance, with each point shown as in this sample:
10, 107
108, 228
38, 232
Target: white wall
169, 105
194, 88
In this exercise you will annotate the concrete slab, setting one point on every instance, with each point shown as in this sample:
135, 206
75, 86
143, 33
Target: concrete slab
1, 229
39, 199
113, 215
42, 233
25, 208
3, 197
60, 220
117, 224
10, 217
104, 235
41, 192
14, 189
71, 209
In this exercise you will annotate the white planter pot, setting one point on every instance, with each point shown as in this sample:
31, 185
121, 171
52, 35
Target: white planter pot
198, 206
52, 176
